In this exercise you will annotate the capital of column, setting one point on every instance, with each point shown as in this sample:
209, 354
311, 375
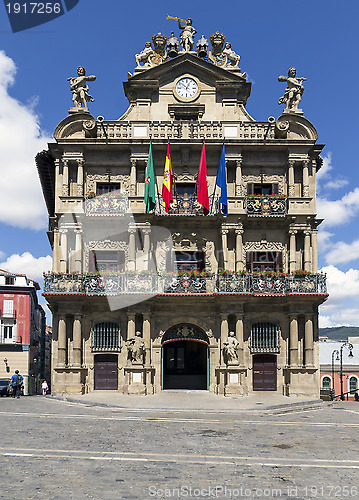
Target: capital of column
63, 230
80, 162
132, 229
307, 232
224, 231
293, 232
306, 162
239, 161
239, 231
133, 162
291, 163
146, 230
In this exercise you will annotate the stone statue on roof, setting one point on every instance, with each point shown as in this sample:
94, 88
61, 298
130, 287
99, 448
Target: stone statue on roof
187, 34
293, 93
80, 89
144, 55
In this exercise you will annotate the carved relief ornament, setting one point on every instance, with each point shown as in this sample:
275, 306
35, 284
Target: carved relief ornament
105, 245
265, 246
91, 180
264, 178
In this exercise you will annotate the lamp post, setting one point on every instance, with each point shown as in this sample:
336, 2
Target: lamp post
349, 346
337, 359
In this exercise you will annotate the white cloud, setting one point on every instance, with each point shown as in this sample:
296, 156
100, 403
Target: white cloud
324, 239
325, 168
336, 184
340, 211
2, 255
343, 252
28, 264
21, 200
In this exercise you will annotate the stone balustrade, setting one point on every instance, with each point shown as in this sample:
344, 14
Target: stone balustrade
165, 130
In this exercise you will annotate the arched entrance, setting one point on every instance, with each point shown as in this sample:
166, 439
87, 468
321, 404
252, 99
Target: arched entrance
185, 358
264, 372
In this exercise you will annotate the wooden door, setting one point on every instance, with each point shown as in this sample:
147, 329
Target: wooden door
264, 372
106, 374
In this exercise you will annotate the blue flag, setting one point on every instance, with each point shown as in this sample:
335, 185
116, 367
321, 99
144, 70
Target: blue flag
221, 181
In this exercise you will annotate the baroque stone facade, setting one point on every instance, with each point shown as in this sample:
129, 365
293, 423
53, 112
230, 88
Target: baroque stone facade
144, 302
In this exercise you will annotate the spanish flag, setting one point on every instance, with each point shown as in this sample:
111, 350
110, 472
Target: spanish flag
167, 181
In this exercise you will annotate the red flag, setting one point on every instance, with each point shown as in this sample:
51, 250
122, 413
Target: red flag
167, 196
202, 195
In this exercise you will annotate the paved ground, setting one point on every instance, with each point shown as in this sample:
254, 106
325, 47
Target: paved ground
53, 449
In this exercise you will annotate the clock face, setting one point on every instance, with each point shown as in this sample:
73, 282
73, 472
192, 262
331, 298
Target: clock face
186, 87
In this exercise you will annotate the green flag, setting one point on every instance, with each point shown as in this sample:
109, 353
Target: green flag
150, 183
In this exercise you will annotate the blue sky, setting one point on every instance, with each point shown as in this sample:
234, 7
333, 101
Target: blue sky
319, 38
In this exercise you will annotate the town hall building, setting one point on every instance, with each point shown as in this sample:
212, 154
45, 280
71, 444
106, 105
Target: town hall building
180, 293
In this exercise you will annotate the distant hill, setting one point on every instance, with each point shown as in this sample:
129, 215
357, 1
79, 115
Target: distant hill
339, 332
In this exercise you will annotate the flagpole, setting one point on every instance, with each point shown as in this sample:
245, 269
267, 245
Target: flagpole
158, 193
215, 185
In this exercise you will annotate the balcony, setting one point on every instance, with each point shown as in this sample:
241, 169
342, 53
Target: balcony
107, 204
187, 205
262, 206
178, 129
184, 284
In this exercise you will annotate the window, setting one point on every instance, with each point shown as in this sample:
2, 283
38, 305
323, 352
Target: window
190, 261
107, 187
9, 280
185, 190
260, 262
105, 337
8, 306
262, 189
353, 384
326, 383
107, 260
7, 332
265, 337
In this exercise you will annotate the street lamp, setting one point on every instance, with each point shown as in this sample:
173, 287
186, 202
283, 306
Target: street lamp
337, 359
350, 347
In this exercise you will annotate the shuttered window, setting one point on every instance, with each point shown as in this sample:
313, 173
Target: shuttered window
265, 337
8, 306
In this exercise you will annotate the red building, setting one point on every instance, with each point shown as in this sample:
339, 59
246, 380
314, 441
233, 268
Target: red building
22, 329
329, 359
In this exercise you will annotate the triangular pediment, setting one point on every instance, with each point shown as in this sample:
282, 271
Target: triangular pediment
187, 63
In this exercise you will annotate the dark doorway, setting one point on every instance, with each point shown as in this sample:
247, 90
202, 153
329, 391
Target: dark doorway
185, 365
106, 376
264, 372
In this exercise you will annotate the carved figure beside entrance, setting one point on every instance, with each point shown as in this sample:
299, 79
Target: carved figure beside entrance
79, 89
136, 349
294, 91
230, 350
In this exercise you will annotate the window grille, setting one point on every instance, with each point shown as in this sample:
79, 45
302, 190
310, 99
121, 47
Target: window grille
353, 384
265, 337
105, 336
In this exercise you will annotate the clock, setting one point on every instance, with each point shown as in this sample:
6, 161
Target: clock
187, 88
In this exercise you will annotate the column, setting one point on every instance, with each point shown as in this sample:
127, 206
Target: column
80, 177
239, 336
308, 341
224, 248
291, 178
305, 192
224, 331
133, 178
146, 329
55, 252
131, 325
61, 342
314, 251
239, 190
76, 341
292, 250
132, 248
307, 259
146, 247
65, 178
63, 250
78, 250
239, 249
293, 341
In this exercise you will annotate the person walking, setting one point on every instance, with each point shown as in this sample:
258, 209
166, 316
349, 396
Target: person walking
44, 388
16, 381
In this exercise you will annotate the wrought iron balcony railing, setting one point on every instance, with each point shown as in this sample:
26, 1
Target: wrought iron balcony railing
107, 204
184, 284
187, 205
262, 205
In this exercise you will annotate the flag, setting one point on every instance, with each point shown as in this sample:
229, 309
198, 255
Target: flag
202, 194
221, 182
150, 183
167, 181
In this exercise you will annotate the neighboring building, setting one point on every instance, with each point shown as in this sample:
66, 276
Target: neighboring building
22, 329
122, 318
329, 359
